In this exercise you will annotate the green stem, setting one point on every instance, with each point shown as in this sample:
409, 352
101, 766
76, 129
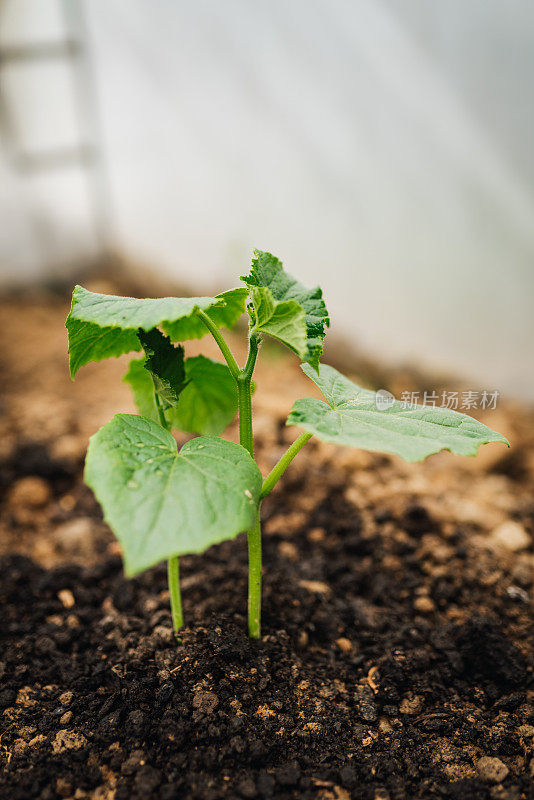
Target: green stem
253, 347
244, 404
246, 438
244, 396
161, 414
173, 579
254, 580
173, 564
243, 379
278, 470
254, 534
217, 335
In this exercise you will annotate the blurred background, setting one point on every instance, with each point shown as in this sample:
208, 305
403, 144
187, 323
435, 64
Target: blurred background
381, 148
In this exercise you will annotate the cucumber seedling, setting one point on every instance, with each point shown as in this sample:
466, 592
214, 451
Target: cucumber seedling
162, 503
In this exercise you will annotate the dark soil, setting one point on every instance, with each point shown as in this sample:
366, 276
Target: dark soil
396, 660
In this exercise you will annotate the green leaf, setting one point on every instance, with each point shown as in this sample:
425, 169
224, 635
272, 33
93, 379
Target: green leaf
282, 319
351, 417
266, 270
101, 326
207, 405
142, 387
162, 503
165, 363
225, 310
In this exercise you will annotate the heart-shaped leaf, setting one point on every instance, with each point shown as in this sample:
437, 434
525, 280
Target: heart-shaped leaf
102, 325
142, 387
206, 405
267, 271
162, 503
351, 416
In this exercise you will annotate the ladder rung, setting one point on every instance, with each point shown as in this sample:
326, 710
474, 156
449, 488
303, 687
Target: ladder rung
53, 159
36, 51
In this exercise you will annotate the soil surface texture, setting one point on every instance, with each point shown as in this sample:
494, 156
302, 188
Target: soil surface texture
397, 649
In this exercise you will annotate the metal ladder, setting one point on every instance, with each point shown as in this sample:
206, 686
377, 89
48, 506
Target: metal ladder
88, 153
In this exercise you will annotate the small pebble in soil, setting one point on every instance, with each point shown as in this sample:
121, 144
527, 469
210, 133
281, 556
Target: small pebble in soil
425, 605
66, 698
75, 536
205, 702
411, 705
30, 492
68, 740
288, 550
345, 645
63, 787
162, 635
491, 769
518, 594
66, 598
136, 718
366, 706
510, 535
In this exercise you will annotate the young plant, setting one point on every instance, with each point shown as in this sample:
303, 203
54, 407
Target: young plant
162, 503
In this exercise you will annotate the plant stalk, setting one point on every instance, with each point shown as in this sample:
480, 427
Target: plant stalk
244, 403
219, 338
280, 467
173, 579
246, 438
161, 413
173, 564
253, 347
254, 580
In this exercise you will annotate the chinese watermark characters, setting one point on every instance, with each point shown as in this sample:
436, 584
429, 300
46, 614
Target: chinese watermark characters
455, 400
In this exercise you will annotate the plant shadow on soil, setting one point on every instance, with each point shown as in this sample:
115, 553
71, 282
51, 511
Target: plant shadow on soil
395, 654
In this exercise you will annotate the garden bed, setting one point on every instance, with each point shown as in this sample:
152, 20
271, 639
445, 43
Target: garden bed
396, 644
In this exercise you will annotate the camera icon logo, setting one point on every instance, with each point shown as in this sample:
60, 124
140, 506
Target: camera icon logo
384, 400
